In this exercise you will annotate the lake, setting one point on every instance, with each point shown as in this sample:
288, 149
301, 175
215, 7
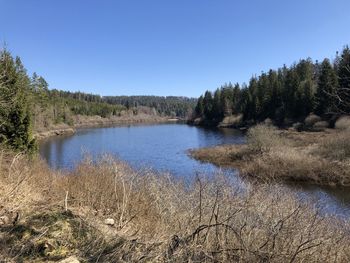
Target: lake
164, 148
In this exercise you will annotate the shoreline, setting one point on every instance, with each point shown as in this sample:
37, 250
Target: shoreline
294, 157
82, 122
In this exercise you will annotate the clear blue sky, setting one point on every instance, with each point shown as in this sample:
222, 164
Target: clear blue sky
163, 47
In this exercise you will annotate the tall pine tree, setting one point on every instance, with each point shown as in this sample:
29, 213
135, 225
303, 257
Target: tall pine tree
15, 129
327, 88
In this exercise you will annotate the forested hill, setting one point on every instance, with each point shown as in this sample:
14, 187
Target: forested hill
27, 104
91, 104
285, 95
170, 105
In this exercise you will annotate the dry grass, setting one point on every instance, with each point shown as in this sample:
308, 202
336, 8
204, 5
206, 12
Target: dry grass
321, 158
336, 147
263, 138
158, 219
281, 158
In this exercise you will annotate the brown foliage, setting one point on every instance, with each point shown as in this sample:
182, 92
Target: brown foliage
159, 218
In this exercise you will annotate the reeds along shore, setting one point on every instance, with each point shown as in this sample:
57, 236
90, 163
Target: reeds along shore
271, 154
48, 215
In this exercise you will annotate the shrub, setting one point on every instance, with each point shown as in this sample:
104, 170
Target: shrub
337, 147
161, 220
298, 126
343, 123
320, 125
262, 138
268, 122
311, 120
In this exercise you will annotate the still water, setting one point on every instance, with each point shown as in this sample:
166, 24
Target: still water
163, 148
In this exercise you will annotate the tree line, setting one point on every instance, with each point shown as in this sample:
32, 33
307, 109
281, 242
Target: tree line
27, 104
288, 93
174, 106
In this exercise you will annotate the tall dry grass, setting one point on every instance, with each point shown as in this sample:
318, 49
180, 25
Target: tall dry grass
337, 147
276, 155
159, 219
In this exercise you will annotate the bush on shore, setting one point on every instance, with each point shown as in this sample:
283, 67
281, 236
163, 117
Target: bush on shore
343, 123
158, 218
300, 157
337, 147
263, 138
286, 155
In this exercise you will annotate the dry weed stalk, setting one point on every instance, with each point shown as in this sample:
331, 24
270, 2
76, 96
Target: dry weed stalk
162, 219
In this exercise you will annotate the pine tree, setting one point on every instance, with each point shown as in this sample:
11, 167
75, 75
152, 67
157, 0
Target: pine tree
217, 105
208, 105
199, 110
343, 92
327, 87
15, 130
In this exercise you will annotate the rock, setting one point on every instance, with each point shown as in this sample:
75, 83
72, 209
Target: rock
4, 220
71, 259
109, 222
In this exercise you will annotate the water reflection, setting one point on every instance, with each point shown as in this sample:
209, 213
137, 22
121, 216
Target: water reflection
161, 147
329, 199
164, 149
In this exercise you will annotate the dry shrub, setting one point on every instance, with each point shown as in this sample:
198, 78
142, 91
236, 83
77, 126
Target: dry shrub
321, 125
311, 120
262, 138
343, 123
337, 147
279, 156
165, 220
24, 181
292, 164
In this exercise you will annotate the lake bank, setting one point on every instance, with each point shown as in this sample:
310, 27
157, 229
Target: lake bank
163, 148
106, 211
319, 158
160, 146
81, 121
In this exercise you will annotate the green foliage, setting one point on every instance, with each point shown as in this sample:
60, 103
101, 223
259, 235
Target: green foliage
343, 92
288, 93
166, 106
15, 117
327, 87
28, 103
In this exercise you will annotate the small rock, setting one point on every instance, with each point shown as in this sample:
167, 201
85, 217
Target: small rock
4, 220
109, 222
71, 259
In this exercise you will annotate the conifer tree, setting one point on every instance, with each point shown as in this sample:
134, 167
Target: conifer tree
327, 88
343, 92
208, 105
15, 130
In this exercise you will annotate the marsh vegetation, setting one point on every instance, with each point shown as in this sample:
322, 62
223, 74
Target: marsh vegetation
156, 218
